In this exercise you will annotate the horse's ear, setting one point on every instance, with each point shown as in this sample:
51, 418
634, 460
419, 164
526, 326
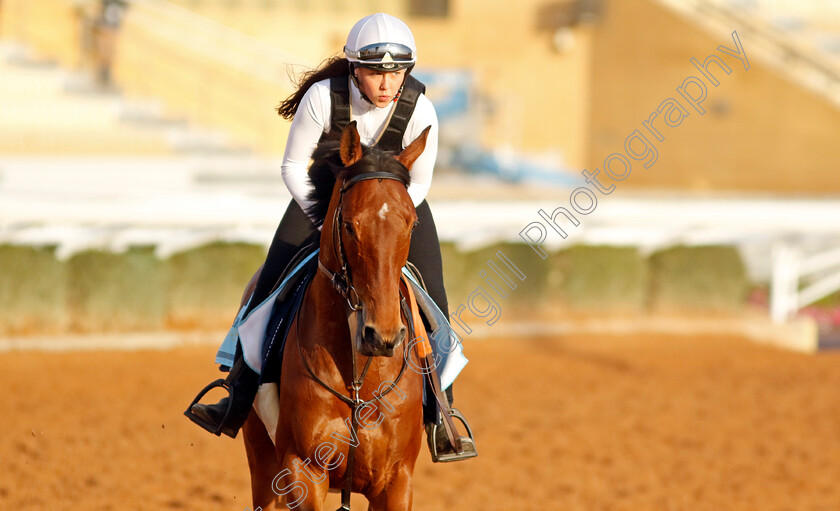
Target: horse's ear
414, 149
351, 145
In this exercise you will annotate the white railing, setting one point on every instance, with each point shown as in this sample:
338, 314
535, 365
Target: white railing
800, 280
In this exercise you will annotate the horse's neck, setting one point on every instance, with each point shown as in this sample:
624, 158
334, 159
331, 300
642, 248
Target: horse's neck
322, 307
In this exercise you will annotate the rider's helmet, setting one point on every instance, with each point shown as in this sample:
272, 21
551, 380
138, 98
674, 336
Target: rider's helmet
381, 42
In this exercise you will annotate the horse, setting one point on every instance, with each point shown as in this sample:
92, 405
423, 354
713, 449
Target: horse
338, 429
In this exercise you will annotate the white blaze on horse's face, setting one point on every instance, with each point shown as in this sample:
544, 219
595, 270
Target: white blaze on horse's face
377, 218
382, 215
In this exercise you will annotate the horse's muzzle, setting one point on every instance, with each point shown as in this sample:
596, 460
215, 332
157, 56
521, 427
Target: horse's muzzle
374, 345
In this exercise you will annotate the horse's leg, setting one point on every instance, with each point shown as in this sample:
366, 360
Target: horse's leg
303, 484
398, 495
262, 460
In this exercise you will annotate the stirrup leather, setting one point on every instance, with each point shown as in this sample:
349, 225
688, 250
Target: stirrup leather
441, 457
216, 429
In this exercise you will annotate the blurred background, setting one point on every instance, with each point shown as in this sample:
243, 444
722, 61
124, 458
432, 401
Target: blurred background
140, 187
140, 152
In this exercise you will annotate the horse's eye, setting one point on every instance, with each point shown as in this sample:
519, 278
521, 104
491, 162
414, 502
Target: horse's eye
349, 228
414, 226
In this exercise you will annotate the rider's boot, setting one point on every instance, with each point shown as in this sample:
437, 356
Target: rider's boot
228, 415
440, 447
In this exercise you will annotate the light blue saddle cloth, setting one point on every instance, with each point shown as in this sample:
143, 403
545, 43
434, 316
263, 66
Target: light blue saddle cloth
249, 331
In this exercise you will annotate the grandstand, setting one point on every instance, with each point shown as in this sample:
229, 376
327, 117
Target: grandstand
79, 161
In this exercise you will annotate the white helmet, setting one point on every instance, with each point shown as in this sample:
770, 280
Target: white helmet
382, 42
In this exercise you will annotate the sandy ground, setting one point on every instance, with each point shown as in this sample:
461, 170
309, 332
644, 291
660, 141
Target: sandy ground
575, 423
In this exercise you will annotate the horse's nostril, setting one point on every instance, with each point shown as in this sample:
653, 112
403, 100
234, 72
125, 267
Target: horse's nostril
370, 336
382, 345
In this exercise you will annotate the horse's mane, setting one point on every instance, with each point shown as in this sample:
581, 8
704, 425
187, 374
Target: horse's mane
327, 167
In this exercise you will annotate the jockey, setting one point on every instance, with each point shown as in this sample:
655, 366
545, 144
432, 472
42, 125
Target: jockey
373, 87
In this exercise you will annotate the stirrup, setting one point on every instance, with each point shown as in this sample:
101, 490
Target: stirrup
440, 457
212, 428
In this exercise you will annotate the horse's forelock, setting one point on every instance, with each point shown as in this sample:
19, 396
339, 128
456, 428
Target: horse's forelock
374, 160
326, 168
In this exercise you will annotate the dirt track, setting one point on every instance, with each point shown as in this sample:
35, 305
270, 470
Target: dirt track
572, 423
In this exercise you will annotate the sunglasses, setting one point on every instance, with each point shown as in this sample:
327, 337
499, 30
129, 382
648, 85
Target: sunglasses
379, 51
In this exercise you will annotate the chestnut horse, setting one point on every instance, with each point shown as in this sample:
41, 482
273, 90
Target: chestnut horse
345, 350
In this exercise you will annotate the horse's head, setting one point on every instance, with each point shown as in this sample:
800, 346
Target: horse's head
366, 235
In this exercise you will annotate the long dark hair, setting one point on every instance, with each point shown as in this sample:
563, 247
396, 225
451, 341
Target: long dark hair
333, 66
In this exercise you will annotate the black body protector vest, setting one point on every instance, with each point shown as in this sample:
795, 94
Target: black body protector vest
391, 138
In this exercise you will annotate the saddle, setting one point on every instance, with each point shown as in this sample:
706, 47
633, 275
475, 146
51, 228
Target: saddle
285, 309
290, 289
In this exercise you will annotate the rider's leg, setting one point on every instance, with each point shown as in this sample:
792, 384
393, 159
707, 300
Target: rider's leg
424, 253
294, 229
242, 383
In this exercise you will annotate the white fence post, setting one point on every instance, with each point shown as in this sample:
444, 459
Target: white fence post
785, 282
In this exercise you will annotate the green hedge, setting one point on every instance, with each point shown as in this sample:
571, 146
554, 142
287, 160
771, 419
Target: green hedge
33, 285
201, 288
107, 291
463, 276
529, 292
601, 278
456, 272
206, 283
698, 279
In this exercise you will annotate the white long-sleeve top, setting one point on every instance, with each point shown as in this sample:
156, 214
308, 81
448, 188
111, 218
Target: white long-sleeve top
313, 118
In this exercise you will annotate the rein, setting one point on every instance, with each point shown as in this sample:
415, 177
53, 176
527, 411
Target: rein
342, 284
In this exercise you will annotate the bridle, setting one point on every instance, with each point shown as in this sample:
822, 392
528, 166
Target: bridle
341, 280
342, 283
